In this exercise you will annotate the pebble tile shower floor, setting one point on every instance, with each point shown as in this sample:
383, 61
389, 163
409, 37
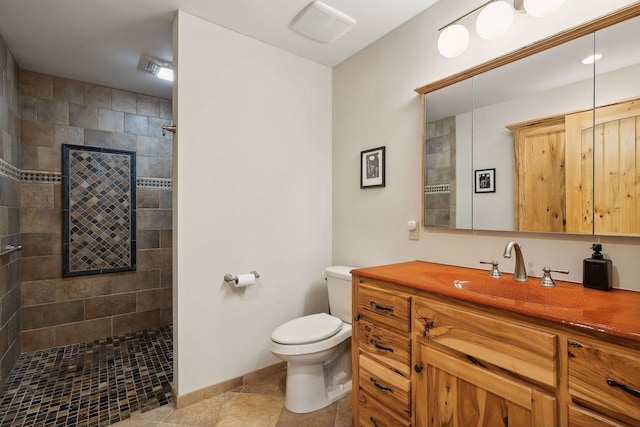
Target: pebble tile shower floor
90, 384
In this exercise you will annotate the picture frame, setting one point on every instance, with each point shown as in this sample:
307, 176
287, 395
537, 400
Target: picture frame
485, 180
372, 168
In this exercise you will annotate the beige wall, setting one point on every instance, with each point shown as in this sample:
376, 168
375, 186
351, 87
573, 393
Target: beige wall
252, 192
59, 311
374, 104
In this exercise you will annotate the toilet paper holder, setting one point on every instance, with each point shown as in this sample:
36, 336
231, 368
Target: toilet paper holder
233, 279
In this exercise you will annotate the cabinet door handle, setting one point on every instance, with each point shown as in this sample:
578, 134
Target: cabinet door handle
379, 386
632, 392
381, 307
381, 347
373, 421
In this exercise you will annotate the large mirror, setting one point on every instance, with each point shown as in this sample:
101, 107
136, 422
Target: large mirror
541, 142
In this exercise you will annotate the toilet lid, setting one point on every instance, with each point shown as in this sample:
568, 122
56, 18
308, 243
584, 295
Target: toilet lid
307, 329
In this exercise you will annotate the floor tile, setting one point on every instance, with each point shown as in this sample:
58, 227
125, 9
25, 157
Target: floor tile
255, 410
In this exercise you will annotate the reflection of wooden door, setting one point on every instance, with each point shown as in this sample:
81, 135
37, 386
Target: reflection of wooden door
540, 176
610, 174
459, 393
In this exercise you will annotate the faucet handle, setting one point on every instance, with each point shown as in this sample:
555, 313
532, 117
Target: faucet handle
495, 273
547, 280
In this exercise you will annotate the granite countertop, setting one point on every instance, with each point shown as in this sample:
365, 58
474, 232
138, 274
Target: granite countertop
616, 312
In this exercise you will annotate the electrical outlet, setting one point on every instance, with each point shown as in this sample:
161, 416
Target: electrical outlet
415, 234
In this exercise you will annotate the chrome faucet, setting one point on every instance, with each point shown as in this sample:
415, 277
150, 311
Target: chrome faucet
520, 273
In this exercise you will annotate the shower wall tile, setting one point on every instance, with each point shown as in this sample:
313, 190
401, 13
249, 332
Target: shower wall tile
68, 90
37, 339
11, 112
148, 239
148, 106
57, 313
110, 305
154, 299
97, 96
124, 101
86, 331
126, 323
83, 116
111, 120
58, 111
136, 124
52, 111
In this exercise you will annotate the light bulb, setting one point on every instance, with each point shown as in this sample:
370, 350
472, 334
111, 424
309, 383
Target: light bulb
540, 8
453, 41
494, 20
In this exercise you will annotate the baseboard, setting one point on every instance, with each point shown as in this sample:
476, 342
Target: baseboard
213, 390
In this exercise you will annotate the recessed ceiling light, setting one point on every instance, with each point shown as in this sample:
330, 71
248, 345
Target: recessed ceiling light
591, 59
156, 67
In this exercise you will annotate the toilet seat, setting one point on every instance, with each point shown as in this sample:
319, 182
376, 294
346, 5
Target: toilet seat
307, 329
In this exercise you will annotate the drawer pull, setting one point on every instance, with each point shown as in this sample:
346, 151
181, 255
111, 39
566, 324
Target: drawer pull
632, 392
373, 421
381, 387
381, 347
381, 307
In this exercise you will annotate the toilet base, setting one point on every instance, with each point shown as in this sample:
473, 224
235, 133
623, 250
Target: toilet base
307, 391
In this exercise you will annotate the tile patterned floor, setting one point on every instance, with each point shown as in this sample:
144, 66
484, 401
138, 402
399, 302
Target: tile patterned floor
90, 384
258, 404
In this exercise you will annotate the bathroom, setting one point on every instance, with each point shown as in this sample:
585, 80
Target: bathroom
282, 196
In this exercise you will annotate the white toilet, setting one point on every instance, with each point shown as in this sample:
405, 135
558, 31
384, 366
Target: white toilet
317, 349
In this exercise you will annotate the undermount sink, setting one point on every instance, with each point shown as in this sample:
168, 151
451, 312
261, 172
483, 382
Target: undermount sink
526, 292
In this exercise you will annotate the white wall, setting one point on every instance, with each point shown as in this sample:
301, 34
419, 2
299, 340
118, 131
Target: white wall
252, 188
374, 104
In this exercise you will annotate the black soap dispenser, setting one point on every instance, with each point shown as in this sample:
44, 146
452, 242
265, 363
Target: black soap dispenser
597, 271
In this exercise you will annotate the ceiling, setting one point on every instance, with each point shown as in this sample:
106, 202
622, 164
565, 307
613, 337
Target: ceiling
101, 41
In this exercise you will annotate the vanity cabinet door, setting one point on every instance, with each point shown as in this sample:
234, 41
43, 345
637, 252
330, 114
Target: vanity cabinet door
605, 378
453, 391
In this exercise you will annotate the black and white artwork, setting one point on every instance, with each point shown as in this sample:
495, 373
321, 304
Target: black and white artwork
485, 181
372, 168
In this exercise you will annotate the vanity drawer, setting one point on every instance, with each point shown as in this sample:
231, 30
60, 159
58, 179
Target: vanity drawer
390, 389
384, 306
373, 414
580, 417
387, 346
525, 351
606, 377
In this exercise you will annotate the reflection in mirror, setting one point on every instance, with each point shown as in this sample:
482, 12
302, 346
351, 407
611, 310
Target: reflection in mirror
515, 131
447, 156
533, 122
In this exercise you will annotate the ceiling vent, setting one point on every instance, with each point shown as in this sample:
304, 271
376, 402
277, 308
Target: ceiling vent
321, 22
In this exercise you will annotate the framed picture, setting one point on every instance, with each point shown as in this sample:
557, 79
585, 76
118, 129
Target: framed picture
372, 168
485, 180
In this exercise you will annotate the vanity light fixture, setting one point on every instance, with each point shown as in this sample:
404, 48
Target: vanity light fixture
494, 20
591, 59
161, 69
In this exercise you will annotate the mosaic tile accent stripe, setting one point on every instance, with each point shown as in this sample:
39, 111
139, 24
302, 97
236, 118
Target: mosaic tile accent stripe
154, 182
9, 171
99, 210
90, 384
431, 189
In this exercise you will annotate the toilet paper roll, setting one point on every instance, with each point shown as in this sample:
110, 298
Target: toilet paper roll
245, 280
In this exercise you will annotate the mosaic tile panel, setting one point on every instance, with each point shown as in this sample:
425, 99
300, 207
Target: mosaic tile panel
99, 210
90, 384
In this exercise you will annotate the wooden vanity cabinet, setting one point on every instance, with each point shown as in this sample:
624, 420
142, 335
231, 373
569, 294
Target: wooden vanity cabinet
382, 355
423, 359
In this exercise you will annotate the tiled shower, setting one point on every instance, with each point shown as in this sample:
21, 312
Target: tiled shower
39, 308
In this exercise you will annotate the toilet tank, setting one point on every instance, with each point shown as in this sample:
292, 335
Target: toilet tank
338, 279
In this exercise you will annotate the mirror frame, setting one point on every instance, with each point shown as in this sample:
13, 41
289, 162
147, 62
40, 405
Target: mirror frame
562, 37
